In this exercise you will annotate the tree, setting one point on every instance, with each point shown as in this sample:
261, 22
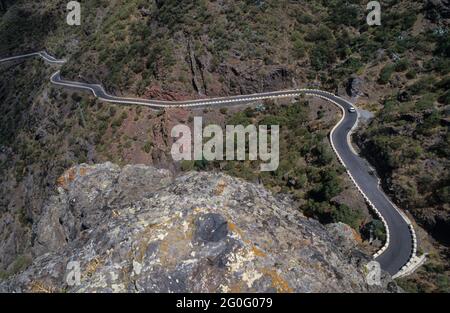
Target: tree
374, 229
323, 154
328, 188
386, 73
299, 49
443, 46
347, 215
322, 56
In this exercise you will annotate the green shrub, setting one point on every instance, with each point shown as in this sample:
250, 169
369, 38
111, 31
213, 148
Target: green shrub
402, 65
385, 74
324, 154
147, 146
187, 166
328, 187
445, 98
423, 85
346, 215
411, 74
374, 229
322, 56
443, 45
426, 102
298, 49
443, 194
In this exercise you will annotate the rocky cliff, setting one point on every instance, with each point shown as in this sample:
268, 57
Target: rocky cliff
139, 229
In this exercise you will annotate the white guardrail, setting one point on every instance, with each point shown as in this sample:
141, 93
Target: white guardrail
413, 260
371, 205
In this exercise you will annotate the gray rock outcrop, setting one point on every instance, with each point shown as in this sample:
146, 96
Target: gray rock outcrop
139, 229
354, 86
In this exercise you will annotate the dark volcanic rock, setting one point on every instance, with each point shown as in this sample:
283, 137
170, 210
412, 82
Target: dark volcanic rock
404, 96
435, 10
354, 86
211, 227
137, 229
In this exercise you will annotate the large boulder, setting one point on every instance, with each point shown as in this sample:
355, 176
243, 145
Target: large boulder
138, 229
355, 85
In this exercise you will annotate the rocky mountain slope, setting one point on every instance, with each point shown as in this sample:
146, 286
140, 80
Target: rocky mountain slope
50, 129
174, 50
139, 229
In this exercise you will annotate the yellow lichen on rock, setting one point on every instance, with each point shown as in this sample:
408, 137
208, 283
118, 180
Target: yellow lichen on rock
70, 175
40, 287
278, 282
258, 252
92, 266
220, 187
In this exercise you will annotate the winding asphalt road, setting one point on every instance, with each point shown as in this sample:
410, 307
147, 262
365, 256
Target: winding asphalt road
400, 245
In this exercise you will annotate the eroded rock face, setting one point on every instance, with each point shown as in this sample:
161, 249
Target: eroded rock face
355, 86
138, 229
